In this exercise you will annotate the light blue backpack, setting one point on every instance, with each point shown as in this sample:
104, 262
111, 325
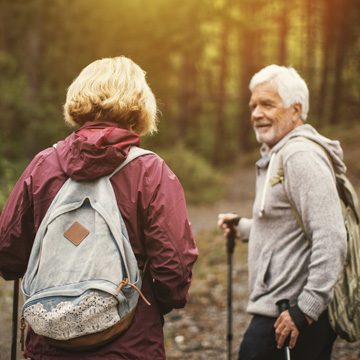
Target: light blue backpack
82, 282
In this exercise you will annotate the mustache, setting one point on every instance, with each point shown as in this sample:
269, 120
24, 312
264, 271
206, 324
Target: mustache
259, 123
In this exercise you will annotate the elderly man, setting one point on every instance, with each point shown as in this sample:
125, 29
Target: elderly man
297, 238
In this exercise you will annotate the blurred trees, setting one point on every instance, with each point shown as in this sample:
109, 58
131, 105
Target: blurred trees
199, 56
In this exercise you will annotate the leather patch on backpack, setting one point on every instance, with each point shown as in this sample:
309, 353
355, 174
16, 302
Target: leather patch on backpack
76, 233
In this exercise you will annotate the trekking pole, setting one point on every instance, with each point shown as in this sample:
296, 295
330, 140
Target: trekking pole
282, 306
230, 244
15, 319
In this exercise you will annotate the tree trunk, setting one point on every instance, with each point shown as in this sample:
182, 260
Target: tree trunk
187, 96
220, 120
311, 42
249, 40
327, 38
283, 31
342, 41
3, 46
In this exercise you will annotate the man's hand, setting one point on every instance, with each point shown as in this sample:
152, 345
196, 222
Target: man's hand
284, 326
224, 221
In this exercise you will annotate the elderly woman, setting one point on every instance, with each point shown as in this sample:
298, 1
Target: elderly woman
113, 105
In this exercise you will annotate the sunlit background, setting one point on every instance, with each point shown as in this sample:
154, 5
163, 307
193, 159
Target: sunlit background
199, 56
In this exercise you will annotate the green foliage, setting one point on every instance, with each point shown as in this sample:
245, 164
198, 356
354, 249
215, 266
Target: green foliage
346, 135
9, 172
201, 182
12, 105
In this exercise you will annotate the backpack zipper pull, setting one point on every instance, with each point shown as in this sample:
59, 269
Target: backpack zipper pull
126, 282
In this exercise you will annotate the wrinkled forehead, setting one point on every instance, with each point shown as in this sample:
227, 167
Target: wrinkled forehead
265, 91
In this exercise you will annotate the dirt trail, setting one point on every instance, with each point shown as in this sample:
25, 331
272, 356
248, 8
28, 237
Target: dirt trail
238, 198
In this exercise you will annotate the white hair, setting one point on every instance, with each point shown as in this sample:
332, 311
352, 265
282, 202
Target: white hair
290, 85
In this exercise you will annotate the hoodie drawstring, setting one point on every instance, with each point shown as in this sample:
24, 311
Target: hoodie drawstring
266, 185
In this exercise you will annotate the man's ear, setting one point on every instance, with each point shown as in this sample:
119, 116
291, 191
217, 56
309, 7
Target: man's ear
297, 108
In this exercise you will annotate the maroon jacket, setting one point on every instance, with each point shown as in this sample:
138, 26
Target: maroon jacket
151, 201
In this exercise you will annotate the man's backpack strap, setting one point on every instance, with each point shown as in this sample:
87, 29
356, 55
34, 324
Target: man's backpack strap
344, 188
280, 178
348, 195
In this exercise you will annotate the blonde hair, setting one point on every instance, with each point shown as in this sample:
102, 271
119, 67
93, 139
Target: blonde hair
112, 89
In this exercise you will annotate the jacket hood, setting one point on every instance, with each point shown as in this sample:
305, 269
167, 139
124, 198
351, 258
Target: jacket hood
95, 150
332, 147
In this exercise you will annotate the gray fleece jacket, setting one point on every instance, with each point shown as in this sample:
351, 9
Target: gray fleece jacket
284, 263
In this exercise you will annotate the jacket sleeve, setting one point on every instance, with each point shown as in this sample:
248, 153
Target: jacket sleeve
310, 184
17, 228
169, 241
244, 228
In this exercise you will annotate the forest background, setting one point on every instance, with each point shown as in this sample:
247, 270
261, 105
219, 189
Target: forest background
199, 56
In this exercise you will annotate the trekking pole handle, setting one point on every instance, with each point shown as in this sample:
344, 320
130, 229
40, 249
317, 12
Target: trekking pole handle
232, 233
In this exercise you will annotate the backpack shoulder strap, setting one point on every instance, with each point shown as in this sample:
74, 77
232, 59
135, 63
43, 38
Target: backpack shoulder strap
279, 177
134, 153
348, 194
